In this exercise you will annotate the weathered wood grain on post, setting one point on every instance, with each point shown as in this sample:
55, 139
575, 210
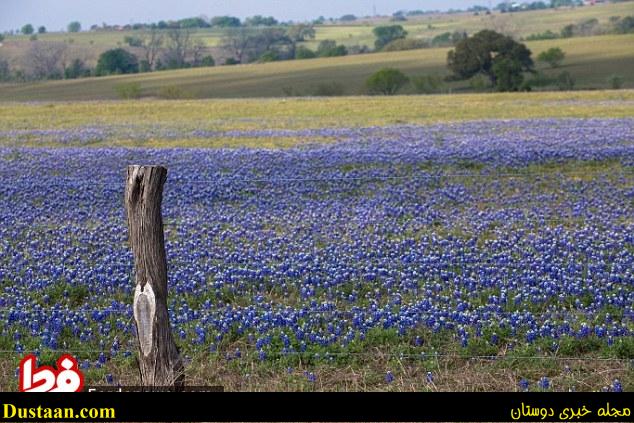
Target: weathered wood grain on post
159, 360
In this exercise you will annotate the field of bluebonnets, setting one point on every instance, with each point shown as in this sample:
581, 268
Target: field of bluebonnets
480, 255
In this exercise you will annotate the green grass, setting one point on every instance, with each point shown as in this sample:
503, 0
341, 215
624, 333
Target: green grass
297, 113
590, 60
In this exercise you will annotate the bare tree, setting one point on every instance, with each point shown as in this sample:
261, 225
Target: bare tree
246, 44
5, 69
270, 38
46, 59
236, 42
178, 46
298, 33
301, 32
151, 43
198, 48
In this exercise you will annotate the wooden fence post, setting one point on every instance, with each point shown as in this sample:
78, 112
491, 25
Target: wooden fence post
159, 361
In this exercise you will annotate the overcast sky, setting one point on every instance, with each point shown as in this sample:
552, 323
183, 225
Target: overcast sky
55, 14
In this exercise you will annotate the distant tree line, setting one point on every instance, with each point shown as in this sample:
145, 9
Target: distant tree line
195, 22
29, 29
267, 21
267, 44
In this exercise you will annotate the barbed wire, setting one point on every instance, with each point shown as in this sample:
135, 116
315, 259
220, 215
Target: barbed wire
326, 355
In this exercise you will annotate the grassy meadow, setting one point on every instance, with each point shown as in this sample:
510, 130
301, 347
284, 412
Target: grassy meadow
590, 60
313, 113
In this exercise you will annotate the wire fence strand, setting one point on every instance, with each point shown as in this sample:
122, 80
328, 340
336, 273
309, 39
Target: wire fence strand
326, 356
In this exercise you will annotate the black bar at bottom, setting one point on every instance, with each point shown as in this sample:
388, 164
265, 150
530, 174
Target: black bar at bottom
320, 407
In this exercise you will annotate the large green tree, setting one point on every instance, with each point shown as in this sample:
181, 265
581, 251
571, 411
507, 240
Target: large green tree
74, 26
116, 61
386, 34
27, 29
479, 55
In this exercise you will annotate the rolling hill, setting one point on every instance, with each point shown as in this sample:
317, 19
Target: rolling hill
590, 60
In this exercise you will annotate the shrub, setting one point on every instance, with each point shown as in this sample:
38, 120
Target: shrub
327, 89
405, 44
588, 27
565, 81
329, 48
231, 61
386, 34
144, 66
553, 56
625, 25
427, 84
449, 38
116, 61
443, 39
173, 92
387, 81
128, 91
304, 53
269, 56
479, 82
568, 31
133, 41
615, 82
208, 61
77, 69
358, 49
539, 79
548, 35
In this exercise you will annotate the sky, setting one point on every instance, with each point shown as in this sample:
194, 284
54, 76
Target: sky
56, 14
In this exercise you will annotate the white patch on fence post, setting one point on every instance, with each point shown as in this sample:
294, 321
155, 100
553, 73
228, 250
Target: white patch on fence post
144, 310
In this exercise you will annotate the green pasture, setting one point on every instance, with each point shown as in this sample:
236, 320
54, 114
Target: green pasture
152, 116
590, 60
